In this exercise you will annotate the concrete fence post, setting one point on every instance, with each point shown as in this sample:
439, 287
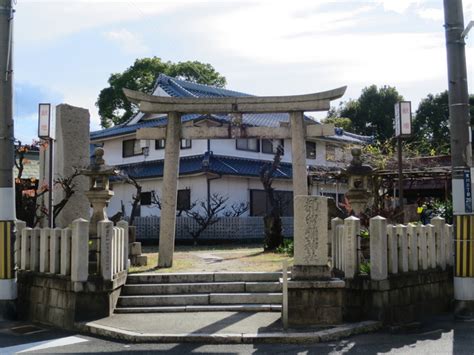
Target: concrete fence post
412, 234
351, 259
402, 248
25, 257
439, 226
430, 237
422, 247
124, 226
105, 233
80, 250
115, 247
335, 222
378, 248
54, 247
19, 226
392, 249
35, 249
340, 246
44, 249
449, 236
65, 262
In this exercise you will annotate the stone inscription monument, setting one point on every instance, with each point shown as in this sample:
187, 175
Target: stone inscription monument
72, 151
311, 238
314, 297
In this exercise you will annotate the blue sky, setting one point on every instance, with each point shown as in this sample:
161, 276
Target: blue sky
66, 50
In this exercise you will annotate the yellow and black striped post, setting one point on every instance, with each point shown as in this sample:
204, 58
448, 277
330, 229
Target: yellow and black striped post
464, 246
6, 250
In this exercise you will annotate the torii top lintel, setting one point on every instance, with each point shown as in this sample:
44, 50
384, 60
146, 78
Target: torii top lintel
249, 104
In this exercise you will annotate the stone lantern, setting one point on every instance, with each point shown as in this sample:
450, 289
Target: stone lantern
359, 176
99, 196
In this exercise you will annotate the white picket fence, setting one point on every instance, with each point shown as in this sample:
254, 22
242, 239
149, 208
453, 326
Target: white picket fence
393, 248
66, 251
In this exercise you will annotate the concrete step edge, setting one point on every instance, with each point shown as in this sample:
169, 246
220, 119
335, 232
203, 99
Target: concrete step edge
203, 277
201, 295
332, 334
203, 308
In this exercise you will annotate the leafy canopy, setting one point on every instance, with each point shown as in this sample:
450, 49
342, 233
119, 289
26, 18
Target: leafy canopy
431, 124
340, 122
372, 113
115, 109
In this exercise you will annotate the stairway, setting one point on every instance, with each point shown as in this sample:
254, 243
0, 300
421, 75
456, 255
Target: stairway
200, 292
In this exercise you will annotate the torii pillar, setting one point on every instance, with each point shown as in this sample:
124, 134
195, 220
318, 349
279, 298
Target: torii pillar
169, 191
174, 107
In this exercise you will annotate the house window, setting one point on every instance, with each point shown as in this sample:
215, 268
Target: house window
310, 150
131, 147
184, 200
185, 143
145, 199
250, 144
334, 153
160, 144
260, 204
270, 146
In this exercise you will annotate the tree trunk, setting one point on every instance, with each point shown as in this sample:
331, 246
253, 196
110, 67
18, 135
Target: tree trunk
273, 231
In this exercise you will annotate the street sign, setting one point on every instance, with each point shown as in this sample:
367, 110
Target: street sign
44, 121
403, 119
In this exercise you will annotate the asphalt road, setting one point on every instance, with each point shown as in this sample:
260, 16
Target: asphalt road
438, 336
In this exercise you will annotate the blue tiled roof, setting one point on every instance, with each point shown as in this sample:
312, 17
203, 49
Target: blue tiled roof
221, 165
182, 88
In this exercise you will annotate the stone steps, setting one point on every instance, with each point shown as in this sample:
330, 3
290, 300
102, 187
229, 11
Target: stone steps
201, 292
155, 278
204, 308
205, 287
199, 299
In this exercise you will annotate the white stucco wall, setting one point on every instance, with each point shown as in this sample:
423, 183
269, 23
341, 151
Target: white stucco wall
124, 192
113, 151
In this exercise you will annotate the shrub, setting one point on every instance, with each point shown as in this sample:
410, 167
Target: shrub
287, 247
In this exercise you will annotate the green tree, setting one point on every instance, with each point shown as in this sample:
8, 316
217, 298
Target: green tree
431, 124
372, 113
341, 122
115, 109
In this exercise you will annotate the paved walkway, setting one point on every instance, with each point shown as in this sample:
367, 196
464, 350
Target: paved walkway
216, 327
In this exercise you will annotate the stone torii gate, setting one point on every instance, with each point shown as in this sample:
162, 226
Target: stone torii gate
297, 130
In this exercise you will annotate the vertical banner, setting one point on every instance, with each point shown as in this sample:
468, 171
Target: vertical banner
44, 121
467, 191
403, 119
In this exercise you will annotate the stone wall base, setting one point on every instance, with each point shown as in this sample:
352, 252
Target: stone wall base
399, 299
7, 310
315, 302
56, 300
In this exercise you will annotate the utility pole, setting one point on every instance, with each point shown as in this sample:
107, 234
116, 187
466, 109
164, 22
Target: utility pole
7, 191
461, 157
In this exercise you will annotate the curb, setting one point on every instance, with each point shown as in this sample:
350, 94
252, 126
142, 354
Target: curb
335, 333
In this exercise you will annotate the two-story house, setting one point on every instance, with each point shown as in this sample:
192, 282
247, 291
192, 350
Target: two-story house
229, 168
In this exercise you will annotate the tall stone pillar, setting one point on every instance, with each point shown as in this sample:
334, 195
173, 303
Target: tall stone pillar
169, 190
72, 150
298, 152
313, 296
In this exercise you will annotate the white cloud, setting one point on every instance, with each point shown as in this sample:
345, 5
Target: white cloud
431, 14
399, 6
127, 41
50, 20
